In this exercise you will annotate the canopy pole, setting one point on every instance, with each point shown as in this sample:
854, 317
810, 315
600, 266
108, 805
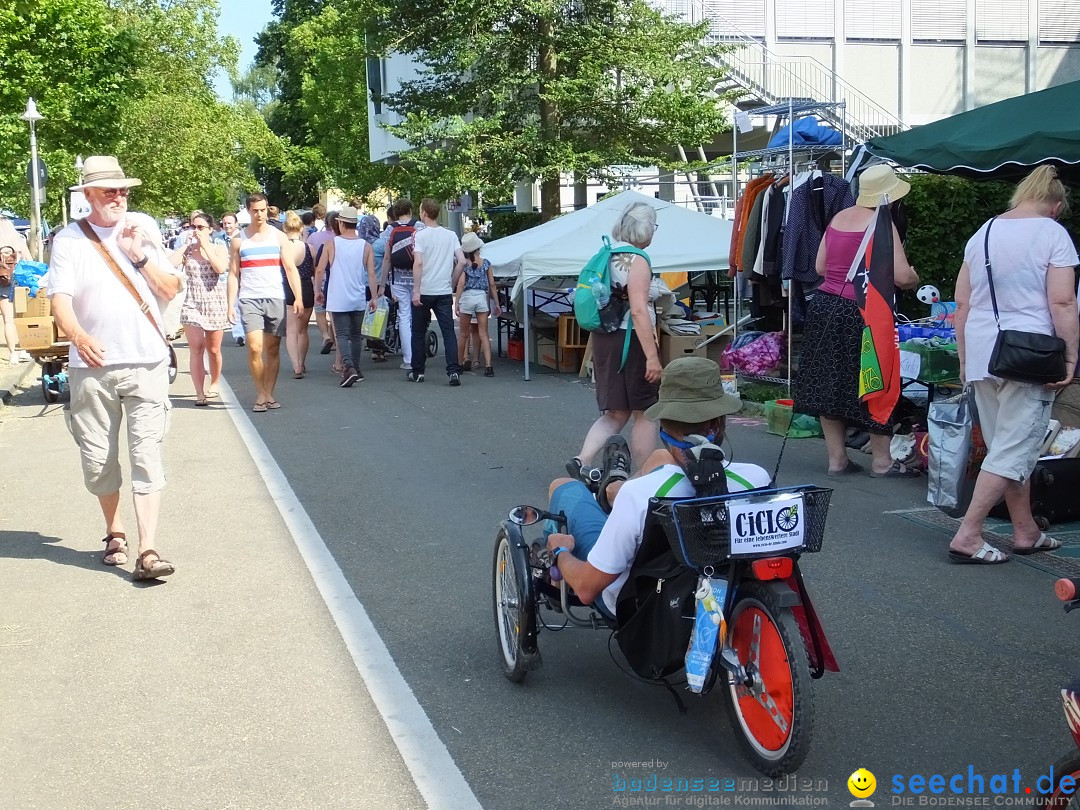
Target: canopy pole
528, 342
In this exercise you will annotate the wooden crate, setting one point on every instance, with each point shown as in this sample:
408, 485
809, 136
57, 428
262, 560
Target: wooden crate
571, 336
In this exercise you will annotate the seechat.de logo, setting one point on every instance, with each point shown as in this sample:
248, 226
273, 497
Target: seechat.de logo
862, 785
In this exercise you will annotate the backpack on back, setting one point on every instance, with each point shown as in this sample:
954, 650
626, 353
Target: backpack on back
594, 307
400, 244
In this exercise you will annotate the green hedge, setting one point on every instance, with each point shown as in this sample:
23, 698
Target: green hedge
507, 223
943, 213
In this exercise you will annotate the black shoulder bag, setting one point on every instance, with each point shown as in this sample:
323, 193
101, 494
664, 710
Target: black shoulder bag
1028, 357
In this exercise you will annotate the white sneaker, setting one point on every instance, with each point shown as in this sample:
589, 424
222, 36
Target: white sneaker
405, 367
20, 356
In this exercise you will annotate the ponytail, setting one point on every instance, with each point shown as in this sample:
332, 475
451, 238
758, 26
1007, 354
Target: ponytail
1042, 185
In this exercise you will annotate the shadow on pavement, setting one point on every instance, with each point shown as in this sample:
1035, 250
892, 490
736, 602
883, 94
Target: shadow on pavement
34, 546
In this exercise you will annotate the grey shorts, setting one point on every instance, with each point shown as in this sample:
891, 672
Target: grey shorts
472, 302
1013, 417
263, 315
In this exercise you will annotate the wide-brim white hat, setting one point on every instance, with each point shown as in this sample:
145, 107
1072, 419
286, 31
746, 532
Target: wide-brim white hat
103, 171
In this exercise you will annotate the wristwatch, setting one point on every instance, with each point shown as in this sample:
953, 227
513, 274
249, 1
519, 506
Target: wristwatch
557, 552
141, 263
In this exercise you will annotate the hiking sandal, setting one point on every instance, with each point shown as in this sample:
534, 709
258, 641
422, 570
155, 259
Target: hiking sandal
118, 555
154, 569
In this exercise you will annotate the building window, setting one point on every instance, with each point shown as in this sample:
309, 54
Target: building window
375, 84
872, 19
939, 20
804, 19
1059, 21
746, 15
1001, 20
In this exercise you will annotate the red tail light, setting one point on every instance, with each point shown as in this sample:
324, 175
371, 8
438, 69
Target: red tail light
1065, 589
772, 568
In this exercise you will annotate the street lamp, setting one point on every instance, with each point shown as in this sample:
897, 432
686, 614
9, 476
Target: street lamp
32, 116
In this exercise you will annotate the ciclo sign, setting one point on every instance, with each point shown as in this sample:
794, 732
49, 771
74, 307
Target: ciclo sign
759, 527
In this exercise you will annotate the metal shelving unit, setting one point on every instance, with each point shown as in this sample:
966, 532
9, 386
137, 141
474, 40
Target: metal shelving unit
787, 110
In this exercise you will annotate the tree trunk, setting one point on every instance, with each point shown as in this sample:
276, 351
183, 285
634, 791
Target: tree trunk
549, 121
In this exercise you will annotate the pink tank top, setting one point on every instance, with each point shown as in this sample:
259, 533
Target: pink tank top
840, 250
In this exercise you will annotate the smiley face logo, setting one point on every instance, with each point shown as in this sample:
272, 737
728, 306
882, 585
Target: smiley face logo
861, 784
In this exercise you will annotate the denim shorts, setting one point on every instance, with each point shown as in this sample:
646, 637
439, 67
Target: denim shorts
7, 291
584, 517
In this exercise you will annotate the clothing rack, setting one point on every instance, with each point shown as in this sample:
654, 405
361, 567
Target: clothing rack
783, 157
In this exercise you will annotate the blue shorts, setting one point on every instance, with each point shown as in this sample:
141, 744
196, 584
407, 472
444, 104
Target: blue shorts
584, 516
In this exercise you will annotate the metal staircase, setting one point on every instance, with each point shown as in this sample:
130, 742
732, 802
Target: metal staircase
768, 79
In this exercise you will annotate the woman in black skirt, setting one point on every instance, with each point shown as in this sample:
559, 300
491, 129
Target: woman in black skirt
827, 383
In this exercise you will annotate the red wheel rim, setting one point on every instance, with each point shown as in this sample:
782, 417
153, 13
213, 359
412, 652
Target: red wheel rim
1059, 800
768, 716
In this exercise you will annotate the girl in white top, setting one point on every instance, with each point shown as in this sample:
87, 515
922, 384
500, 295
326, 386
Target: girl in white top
1032, 260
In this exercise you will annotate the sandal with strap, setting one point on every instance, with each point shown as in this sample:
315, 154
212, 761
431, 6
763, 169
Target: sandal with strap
118, 555
1044, 543
985, 555
154, 569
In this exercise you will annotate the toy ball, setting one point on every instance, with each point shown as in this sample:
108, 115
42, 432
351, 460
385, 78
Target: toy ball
928, 294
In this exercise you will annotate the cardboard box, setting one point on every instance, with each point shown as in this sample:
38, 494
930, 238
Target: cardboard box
674, 346
35, 333
568, 359
38, 307
22, 296
715, 350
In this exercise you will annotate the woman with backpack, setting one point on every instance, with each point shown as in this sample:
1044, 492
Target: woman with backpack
625, 391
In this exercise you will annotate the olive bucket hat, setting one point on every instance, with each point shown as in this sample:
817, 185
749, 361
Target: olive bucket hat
692, 391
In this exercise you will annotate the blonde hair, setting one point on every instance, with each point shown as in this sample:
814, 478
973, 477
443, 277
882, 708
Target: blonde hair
636, 224
1042, 185
293, 223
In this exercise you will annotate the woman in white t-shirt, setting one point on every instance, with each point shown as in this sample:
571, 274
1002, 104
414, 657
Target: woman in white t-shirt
1032, 260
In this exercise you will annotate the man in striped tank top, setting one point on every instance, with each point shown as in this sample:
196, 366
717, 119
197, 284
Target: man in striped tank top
256, 261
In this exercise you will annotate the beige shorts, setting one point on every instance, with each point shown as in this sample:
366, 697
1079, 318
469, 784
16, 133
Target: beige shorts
472, 302
1013, 417
102, 398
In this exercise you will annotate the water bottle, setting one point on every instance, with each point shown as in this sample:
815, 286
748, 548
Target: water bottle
600, 293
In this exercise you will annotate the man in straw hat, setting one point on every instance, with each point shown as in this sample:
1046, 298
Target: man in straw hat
596, 554
119, 360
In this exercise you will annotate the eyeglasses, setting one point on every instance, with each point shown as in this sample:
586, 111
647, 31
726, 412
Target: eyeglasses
113, 193
202, 227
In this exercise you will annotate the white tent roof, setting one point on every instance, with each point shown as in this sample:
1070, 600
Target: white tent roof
685, 241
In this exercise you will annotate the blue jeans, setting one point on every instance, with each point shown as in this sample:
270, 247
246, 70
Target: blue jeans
443, 305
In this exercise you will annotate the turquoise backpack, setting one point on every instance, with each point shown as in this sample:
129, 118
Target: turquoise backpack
595, 280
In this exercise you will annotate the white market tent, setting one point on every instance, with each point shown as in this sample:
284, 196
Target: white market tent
548, 255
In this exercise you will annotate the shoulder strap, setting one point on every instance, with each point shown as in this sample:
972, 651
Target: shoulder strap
989, 275
91, 234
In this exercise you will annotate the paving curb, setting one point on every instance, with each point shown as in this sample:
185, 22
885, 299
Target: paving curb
11, 384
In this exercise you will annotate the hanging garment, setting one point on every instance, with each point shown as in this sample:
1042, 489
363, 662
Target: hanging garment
752, 237
812, 207
753, 188
773, 224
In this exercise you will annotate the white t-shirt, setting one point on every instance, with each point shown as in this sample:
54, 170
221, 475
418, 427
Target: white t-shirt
102, 304
1021, 250
619, 270
620, 538
346, 289
439, 247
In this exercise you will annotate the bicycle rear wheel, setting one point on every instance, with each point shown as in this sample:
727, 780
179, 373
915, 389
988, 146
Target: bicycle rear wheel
774, 712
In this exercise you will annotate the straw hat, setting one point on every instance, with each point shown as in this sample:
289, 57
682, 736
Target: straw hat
878, 180
348, 214
103, 171
471, 242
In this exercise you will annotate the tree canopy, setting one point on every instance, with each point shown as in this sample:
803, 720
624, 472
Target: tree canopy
130, 78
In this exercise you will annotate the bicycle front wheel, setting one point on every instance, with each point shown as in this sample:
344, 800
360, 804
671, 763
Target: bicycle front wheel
774, 711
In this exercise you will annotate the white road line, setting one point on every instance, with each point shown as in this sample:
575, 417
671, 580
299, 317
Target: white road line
436, 775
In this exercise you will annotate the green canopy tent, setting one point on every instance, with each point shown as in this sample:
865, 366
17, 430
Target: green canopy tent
1001, 141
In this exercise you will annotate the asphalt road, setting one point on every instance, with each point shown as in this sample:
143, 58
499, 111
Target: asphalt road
942, 666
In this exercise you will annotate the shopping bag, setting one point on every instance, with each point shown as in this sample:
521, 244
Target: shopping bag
956, 453
374, 325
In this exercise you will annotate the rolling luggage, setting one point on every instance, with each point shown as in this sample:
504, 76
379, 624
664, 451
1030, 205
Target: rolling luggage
1054, 487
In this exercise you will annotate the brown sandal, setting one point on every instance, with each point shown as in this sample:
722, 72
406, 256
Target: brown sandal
155, 569
118, 555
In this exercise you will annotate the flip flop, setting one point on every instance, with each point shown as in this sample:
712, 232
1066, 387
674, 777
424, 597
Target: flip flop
897, 470
201, 403
986, 555
259, 407
298, 375
1044, 543
273, 405
851, 467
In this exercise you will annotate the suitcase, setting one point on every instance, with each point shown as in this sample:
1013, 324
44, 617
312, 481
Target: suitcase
1054, 487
